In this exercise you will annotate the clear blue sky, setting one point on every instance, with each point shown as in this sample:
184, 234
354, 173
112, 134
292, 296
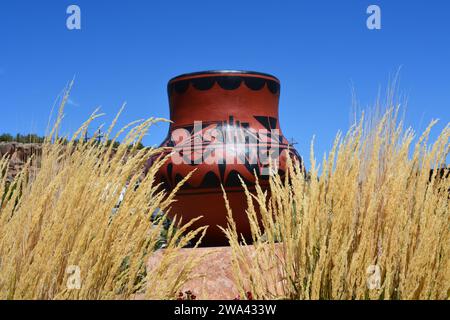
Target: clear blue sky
127, 50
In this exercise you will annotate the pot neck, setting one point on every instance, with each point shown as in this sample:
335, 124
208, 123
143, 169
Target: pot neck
212, 98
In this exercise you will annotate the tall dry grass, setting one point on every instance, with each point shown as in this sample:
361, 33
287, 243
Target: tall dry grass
369, 207
63, 218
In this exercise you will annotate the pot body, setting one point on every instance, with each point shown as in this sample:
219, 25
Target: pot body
225, 126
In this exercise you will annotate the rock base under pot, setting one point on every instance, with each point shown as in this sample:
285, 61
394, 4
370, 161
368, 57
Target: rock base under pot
213, 277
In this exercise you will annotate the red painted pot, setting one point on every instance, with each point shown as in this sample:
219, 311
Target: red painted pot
225, 125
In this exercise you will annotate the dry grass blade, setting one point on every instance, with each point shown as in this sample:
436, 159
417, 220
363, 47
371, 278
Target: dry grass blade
372, 225
64, 223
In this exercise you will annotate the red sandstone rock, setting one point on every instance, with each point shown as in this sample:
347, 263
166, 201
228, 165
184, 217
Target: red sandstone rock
213, 278
19, 153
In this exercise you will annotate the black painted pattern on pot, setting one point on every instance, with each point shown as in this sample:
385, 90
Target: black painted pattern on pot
216, 177
255, 83
203, 83
225, 82
181, 86
229, 83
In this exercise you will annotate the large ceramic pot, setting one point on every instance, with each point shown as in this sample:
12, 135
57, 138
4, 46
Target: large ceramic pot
225, 125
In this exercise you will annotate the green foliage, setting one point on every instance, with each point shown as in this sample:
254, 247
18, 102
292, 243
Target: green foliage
21, 138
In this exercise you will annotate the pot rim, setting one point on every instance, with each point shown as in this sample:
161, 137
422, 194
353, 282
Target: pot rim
223, 71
